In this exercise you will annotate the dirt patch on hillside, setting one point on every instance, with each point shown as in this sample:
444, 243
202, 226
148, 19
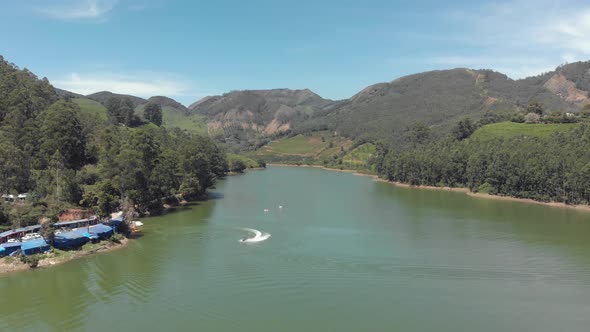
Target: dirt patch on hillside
314, 140
567, 90
490, 101
275, 126
76, 214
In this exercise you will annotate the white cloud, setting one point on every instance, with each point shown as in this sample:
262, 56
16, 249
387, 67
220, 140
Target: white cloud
571, 32
521, 37
142, 85
79, 10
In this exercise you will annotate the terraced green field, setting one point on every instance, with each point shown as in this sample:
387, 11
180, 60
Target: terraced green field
512, 129
308, 149
320, 148
359, 155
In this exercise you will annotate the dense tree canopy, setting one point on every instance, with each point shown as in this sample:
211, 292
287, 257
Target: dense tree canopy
64, 158
153, 113
60, 129
556, 168
121, 110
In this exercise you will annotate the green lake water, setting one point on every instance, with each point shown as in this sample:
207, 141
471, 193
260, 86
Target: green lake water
346, 254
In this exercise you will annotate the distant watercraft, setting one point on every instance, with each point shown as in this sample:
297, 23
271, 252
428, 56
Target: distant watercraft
266, 210
280, 206
258, 236
136, 226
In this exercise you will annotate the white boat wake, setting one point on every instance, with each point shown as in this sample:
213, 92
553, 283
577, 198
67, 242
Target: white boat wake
258, 236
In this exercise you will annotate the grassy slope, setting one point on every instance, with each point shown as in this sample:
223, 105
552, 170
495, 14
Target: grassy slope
172, 117
313, 148
195, 122
89, 106
359, 155
321, 148
511, 129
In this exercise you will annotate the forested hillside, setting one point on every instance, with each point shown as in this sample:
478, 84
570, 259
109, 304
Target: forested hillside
245, 120
100, 158
546, 168
439, 99
248, 119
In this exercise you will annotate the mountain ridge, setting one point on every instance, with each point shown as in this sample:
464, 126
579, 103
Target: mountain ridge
247, 119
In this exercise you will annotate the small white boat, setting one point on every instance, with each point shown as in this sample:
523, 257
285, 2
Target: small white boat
258, 236
136, 226
266, 210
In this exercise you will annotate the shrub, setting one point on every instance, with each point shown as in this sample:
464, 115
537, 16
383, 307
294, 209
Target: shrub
117, 238
32, 261
517, 117
487, 188
532, 118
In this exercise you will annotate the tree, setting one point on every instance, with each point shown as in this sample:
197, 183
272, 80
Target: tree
104, 199
464, 129
56, 166
61, 130
120, 110
127, 111
153, 113
114, 109
419, 133
48, 229
535, 107
237, 165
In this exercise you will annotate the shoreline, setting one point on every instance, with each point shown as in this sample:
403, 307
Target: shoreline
355, 172
466, 191
54, 258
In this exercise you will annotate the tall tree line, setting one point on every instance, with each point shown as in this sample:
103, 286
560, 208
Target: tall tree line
555, 168
65, 158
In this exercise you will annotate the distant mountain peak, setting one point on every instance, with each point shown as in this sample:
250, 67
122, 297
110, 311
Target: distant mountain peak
167, 101
103, 96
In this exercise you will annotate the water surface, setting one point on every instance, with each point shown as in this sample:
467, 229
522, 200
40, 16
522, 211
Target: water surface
346, 254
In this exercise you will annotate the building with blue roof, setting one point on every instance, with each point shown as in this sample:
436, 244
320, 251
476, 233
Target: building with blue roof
80, 236
35, 246
10, 247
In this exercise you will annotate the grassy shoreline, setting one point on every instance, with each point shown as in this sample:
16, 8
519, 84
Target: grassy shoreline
466, 191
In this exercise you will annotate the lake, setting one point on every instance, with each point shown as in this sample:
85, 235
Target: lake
346, 253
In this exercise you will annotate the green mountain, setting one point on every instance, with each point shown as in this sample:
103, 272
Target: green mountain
168, 102
251, 118
441, 98
247, 119
103, 96
67, 94
176, 115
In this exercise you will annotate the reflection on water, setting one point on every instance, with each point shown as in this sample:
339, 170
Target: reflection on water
346, 254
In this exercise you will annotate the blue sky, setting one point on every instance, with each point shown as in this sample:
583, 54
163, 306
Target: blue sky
190, 49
